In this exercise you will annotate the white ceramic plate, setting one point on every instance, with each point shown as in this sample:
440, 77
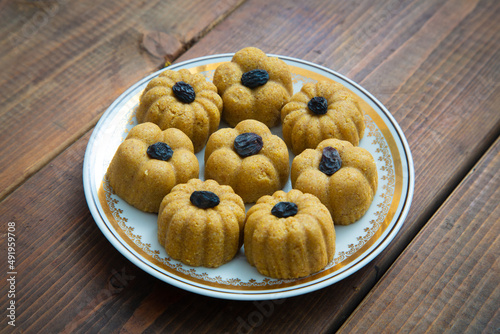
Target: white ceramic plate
133, 232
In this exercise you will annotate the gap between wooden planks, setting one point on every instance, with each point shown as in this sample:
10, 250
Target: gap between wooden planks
448, 277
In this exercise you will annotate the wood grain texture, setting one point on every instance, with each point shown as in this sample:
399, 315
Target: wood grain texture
67, 271
434, 64
448, 279
63, 63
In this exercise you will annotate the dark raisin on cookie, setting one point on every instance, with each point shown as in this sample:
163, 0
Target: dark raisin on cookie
284, 209
318, 105
184, 92
330, 161
204, 199
254, 78
248, 144
160, 151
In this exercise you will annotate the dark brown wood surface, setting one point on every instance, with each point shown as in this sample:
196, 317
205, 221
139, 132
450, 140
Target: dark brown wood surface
448, 278
434, 64
64, 63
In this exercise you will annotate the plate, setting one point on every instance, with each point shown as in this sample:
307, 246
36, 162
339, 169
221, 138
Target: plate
133, 232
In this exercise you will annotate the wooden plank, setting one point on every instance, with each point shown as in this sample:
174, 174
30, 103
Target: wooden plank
66, 270
63, 63
434, 64
72, 278
448, 278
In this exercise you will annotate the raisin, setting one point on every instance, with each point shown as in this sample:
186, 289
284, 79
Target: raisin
248, 144
284, 209
160, 151
254, 78
184, 92
330, 161
204, 199
318, 105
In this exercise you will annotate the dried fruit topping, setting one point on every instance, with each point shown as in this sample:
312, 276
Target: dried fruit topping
318, 105
184, 92
330, 161
160, 151
204, 199
254, 78
284, 209
248, 144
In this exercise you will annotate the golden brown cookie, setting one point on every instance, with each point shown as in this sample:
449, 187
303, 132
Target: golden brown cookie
253, 86
182, 100
342, 176
201, 223
149, 163
249, 158
320, 111
289, 235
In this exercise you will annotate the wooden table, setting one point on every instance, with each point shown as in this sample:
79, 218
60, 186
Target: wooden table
434, 64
